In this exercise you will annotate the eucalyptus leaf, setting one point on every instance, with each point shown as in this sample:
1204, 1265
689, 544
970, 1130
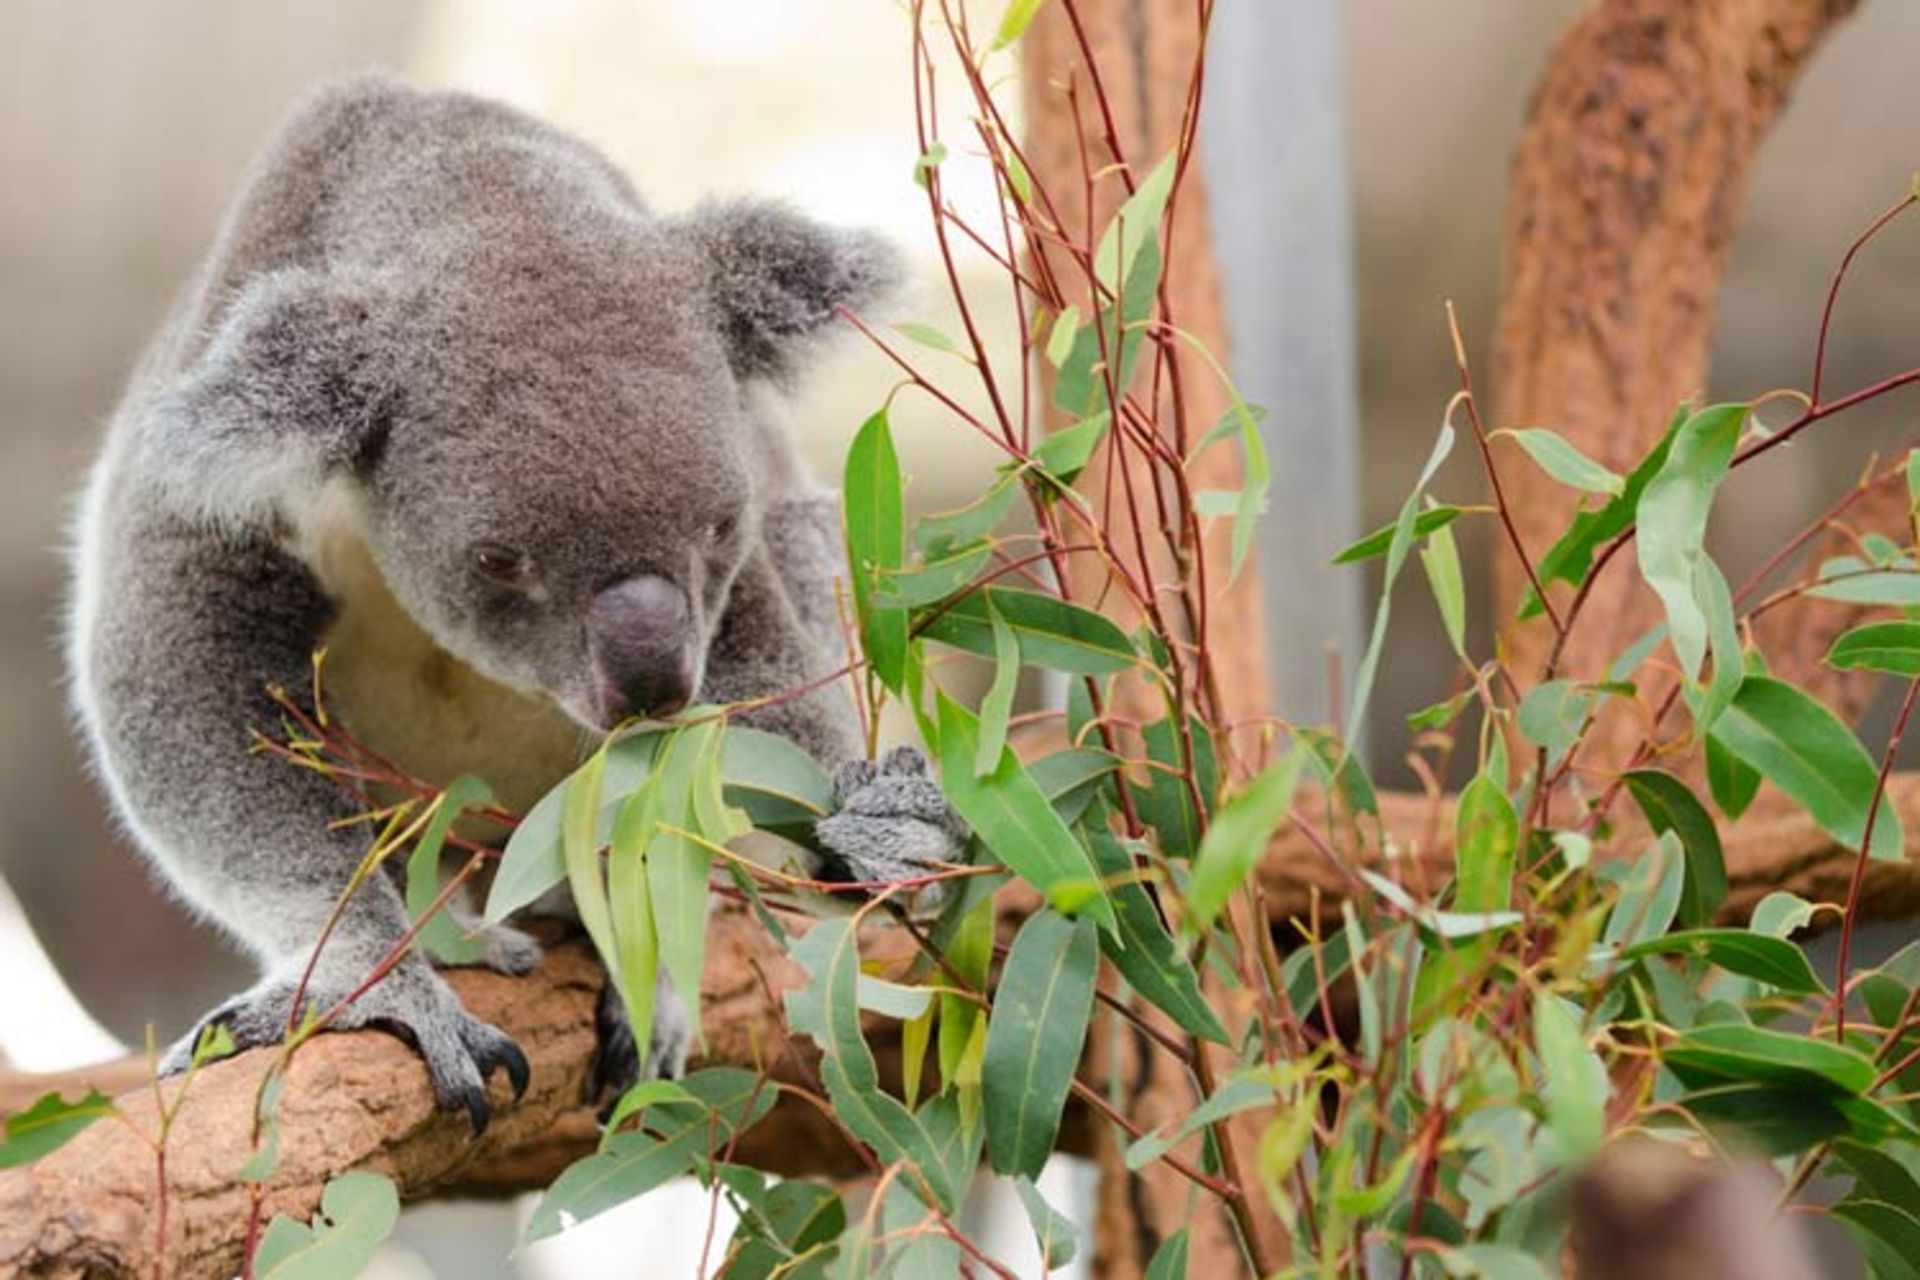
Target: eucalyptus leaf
1556, 456
1795, 743
1035, 1035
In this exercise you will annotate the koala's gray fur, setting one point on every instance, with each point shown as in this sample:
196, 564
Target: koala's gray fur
431, 332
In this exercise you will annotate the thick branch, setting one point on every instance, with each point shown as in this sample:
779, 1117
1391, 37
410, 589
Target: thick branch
1628, 185
360, 1100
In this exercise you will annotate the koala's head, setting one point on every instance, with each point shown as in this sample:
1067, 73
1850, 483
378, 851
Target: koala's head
548, 446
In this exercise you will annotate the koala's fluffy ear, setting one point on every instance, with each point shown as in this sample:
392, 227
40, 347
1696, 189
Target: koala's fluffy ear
778, 277
282, 393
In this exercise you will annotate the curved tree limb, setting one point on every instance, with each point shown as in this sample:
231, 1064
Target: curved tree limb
360, 1099
1628, 185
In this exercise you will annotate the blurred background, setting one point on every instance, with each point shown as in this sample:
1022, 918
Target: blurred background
1353, 192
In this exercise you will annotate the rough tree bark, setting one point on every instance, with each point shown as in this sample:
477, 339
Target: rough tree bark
1628, 185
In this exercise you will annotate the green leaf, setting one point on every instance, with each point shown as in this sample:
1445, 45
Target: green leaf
1013, 23
928, 336
772, 779
939, 535
1052, 1230
49, 1124
932, 158
1134, 225
1572, 555
1035, 1035
1851, 580
1141, 948
1780, 915
1672, 516
1114, 339
631, 1164
580, 846
1052, 633
1553, 713
1670, 806
1493, 1262
1888, 1234
1892, 647
1064, 454
1375, 544
934, 580
997, 707
1070, 779
634, 965
876, 541
1402, 541
793, 1219
1441, 559
1009, 813
1576, 1080
1170, 1259
1731, 1052
357, 1211
1650, 896
893, 999
1340, 770
1801, 747
678, 869
1060, 342
1552, 453
1238, 837
1751, 955
1732, 783
637, 1099
1165, 803
827, 1010
440, 936
1768, 1120
1237, 1094
1487, 832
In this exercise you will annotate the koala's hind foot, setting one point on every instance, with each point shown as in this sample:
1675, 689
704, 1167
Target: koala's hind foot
618, 1065
412, 1002
892, 823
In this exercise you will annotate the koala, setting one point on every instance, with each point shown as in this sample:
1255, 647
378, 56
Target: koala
447, 401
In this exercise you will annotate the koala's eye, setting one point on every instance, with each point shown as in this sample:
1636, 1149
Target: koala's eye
497, 562
721, 531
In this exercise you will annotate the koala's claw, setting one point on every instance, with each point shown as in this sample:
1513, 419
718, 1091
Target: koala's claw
618, 1065
460, 1051
892, 822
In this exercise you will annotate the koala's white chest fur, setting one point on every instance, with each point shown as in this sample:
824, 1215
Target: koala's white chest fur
410, 700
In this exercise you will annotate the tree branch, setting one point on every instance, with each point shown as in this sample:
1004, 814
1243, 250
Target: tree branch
360, 1099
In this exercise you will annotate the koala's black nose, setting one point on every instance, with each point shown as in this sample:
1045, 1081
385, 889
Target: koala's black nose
642, 633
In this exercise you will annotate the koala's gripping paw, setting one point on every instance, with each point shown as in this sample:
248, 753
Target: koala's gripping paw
618, 1066
891, 822
413, 1002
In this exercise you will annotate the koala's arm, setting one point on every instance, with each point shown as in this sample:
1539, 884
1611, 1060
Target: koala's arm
781, 631
186, 632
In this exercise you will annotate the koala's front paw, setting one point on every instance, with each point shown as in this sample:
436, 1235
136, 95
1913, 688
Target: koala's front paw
413, 1002
618, 1066
892, 823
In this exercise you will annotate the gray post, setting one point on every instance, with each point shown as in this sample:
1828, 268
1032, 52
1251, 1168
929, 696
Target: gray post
1275, 150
